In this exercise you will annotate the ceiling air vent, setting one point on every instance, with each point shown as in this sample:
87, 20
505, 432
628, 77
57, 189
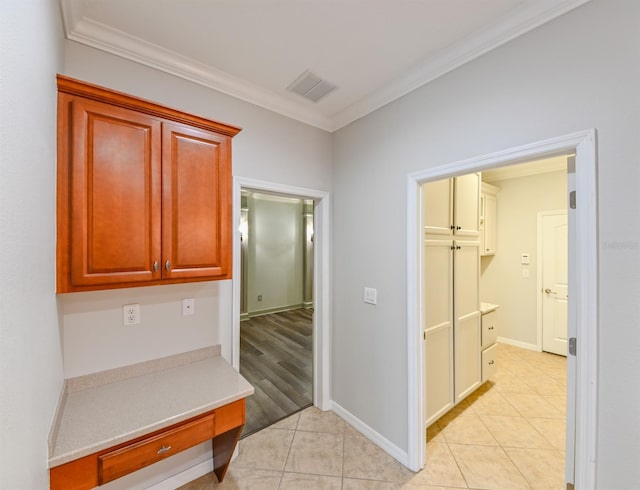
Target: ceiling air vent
311, 86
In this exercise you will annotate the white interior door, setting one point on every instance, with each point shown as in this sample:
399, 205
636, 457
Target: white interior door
554, 290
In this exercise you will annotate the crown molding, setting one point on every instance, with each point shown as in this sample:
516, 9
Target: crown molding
91, 33
525, 20
100, 36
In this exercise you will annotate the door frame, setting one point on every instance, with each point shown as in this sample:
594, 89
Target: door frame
539, 285
582, 370
321, 280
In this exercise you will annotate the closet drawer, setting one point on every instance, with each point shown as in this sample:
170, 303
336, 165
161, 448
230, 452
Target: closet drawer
489, 328
130, 458
489, 362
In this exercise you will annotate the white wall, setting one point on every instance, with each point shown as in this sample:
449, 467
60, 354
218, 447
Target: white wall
501, 281
30, 360
577, 72
275, 253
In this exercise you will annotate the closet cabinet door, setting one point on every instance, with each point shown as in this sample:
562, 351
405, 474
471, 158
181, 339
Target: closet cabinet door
467, 205
114, 205
467, 332
437, 207
438, 327
489, 245
196, 211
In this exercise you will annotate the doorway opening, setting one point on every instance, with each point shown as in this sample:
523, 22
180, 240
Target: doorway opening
583, 307
276, 305
318, 289
487, 383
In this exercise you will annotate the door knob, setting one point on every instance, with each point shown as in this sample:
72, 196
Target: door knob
548, 291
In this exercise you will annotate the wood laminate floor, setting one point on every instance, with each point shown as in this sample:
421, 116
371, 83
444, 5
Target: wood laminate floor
276, 357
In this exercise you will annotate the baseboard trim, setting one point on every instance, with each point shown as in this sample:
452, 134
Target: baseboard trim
518, 343
185, 476
277, 309
375, 437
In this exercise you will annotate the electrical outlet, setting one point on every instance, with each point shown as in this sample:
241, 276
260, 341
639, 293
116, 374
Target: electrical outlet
131, 314
259, 297
188, 307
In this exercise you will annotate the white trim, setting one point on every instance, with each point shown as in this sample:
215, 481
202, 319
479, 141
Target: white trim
375, 437
321, 281
87, 31
586, 294
518, 343
541, 215
528, 18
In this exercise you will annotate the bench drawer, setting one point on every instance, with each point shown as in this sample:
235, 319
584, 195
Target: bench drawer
489, 362
143, 453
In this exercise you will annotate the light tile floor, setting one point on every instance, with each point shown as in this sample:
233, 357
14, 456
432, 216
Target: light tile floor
509, 434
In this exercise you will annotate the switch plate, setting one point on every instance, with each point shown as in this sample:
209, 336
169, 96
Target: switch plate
371, 296
131, 314
524, 259
188, 307
525, 273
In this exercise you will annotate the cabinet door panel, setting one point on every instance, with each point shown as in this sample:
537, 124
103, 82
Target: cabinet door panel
115, 194
196, 211
437, 211
468, 375
438, 327
490, 225
467, 205
467, 318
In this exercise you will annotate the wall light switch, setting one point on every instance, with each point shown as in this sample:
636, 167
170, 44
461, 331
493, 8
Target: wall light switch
188, 307
371, 296
524, 259
525, 273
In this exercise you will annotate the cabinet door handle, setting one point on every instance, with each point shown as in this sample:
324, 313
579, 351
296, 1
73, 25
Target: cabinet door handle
458, 227
491, 363
491, 328
167, 265
156, 266
163, 449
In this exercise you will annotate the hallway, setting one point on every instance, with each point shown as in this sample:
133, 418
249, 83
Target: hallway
507, 435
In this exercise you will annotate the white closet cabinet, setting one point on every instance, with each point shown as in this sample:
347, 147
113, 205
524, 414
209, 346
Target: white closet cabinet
467, 326
450, 206
488, 218
438, 326
451, 306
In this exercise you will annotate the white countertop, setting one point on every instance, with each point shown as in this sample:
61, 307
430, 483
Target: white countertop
97, 418
488, 307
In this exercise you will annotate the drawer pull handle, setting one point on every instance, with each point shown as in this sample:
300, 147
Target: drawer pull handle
164, 449
491, 363
490, 328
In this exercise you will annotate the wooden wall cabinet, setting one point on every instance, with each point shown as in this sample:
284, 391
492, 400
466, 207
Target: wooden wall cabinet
144, 192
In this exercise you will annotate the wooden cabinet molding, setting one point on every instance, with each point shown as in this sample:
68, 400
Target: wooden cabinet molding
144, 192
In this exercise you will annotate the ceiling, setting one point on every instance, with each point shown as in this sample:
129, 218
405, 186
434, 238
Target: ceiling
374, 51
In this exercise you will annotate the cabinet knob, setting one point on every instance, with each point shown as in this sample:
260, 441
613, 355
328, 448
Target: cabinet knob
167, 265
156, 266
